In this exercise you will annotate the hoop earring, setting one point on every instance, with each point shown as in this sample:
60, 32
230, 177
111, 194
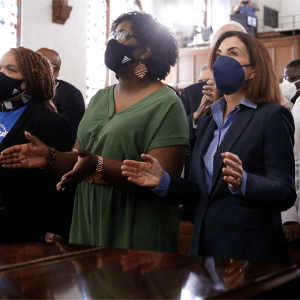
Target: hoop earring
140, 70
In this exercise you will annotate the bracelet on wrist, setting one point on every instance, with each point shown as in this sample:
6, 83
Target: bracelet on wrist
99, 167
97, 175
52, 158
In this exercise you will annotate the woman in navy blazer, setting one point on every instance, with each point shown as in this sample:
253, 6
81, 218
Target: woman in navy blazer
242, 172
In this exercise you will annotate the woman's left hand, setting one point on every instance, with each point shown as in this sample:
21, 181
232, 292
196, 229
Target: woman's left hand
85, 166
233, 170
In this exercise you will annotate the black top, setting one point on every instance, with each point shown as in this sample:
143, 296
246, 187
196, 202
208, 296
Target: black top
33, 206
69, 103
191, 97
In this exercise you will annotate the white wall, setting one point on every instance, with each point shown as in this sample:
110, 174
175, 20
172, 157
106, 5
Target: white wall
291, 12
218, 13
290, 7
286, 9
69, 40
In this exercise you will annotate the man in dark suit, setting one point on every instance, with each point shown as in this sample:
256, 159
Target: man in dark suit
68, 99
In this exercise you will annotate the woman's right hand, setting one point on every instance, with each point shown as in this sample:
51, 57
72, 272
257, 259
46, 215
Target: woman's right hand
146, 173
26, 156
85, 166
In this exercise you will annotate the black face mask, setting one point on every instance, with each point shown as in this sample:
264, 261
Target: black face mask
118, 55
9, 87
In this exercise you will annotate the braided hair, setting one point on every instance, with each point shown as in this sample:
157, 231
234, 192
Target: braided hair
37, 74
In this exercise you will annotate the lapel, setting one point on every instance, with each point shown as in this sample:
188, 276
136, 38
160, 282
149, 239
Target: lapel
205, 131
242, 120
15, 130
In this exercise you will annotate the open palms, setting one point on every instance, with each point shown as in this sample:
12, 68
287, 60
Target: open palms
30, 156
146, 173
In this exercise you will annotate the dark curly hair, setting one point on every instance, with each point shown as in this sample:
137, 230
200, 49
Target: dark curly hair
162, 41
37, 74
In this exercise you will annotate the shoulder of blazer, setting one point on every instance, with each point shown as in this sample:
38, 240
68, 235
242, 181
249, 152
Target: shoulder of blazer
195, 88
271, 108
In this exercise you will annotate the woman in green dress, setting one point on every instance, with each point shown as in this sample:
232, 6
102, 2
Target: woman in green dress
138, 115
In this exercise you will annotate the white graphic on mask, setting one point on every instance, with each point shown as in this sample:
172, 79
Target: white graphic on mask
3, 131
125, 59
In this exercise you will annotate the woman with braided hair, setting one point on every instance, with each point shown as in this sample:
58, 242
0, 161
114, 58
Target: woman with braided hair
28, 198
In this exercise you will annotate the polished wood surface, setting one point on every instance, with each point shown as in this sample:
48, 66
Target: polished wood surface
83, 272
17, 255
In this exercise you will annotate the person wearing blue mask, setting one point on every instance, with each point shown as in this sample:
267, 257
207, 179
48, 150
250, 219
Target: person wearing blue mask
242, 171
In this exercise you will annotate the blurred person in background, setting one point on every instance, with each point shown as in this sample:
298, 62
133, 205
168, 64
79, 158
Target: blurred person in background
68, 99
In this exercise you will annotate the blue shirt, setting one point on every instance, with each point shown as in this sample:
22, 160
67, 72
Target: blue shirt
249, 10
217, 110
8, 120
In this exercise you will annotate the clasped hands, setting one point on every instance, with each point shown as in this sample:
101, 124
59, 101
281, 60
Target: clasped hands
149, 172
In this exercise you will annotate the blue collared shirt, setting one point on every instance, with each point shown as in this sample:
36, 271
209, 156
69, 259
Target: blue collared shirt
217, 110
249, 10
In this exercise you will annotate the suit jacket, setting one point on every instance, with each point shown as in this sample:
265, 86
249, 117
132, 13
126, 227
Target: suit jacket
69, 103
191, 97
242, 227
33, 206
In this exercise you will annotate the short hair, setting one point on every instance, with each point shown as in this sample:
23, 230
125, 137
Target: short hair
237, 24
161, 39
213, 36
263, 87
294, 64
37, 74
204, 67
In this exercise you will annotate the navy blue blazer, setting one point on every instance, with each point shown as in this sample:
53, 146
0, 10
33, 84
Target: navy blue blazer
242, 227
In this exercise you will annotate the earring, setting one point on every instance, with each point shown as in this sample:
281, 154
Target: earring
140, 70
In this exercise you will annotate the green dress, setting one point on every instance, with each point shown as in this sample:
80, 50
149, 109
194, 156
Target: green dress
107, 216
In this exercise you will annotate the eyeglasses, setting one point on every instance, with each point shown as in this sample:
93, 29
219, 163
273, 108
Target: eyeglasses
291, 79
54, 65
123, 35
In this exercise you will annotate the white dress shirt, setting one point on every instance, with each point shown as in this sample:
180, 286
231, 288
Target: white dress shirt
293, 214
